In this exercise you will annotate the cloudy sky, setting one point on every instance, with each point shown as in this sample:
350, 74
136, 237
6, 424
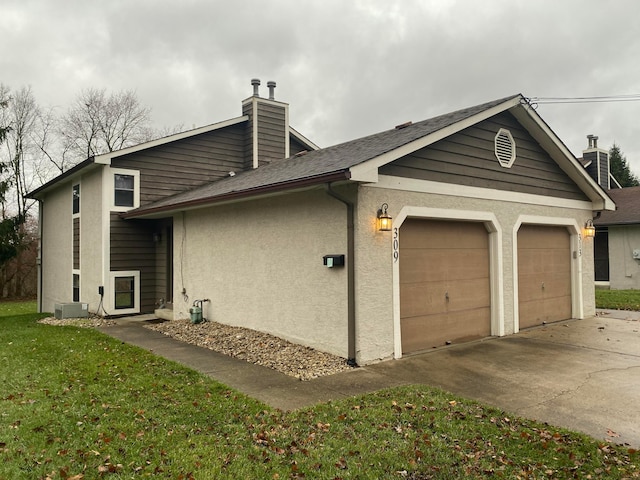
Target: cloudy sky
346, 67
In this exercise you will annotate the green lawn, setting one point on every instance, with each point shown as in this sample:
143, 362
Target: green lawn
75, 403
618, 299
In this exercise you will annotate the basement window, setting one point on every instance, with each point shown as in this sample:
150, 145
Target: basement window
505, 148
125, 288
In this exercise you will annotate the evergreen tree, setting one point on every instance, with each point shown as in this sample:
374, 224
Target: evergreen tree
620, 168
10, 234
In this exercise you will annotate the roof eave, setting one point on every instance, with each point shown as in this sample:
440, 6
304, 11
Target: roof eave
236, 196
37, 193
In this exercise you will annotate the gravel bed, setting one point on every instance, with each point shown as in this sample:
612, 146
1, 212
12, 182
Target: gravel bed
252, 346
255, 347
91, 322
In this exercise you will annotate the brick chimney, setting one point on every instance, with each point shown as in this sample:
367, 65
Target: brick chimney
267, 136
596, 161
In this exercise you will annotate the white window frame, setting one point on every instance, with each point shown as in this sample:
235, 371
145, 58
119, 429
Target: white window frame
136, 293
112, 188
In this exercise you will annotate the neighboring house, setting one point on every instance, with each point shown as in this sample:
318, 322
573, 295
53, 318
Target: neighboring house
488, 209
617, 239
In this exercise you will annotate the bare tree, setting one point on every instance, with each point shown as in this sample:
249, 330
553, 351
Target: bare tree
21, 156
98, 123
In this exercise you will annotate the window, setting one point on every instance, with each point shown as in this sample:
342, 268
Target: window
123, 294
76, 199
76, 287
124, 188
125, 288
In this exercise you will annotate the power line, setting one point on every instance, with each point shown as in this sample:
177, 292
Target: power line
600, 99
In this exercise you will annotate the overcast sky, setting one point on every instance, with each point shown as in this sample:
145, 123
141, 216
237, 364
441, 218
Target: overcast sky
347, 68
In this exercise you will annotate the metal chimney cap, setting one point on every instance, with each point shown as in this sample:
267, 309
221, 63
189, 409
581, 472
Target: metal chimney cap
272, 85
256, 83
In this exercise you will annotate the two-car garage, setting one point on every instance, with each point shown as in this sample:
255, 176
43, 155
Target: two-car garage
445, 280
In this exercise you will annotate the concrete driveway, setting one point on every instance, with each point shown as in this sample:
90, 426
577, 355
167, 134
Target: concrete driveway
579, 374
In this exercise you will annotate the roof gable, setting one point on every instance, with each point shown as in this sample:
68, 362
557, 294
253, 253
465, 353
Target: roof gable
361, 159
468, 158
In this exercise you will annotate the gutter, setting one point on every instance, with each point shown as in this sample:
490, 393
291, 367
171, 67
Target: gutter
351, 270
237, 195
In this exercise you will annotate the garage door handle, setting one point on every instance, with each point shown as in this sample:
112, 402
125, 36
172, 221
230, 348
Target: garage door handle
446, 296
543, 285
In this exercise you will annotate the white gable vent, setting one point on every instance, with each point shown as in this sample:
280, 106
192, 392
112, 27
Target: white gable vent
505, 147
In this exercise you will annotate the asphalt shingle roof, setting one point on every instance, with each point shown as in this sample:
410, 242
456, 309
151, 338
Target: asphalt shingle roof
318, 163
627, 201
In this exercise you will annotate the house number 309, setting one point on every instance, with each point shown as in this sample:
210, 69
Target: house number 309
396, 245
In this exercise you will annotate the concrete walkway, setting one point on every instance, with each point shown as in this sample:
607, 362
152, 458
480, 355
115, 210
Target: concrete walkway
580, 374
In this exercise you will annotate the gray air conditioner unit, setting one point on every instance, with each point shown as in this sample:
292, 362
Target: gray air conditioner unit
71, 310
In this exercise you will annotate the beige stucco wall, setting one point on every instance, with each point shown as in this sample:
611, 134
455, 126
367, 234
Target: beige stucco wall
624, 270
260, 264
374, 259
91, 238
57, 262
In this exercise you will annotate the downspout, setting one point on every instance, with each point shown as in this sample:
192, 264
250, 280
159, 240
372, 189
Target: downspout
40, 252
351, 270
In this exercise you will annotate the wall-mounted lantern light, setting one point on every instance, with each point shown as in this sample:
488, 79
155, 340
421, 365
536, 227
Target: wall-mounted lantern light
384, 219
589, 229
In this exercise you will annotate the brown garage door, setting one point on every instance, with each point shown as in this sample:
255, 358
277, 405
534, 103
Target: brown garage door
544, 274
444, 283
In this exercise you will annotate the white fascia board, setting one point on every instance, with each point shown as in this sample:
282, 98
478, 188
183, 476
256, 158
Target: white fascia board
550, 142
105, 158
362, 171
450, 189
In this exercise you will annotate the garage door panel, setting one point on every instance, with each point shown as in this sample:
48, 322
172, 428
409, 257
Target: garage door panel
431, 297
421, 298
417, 233
544, 274
429, 331
542, 236
557, 308
436, 265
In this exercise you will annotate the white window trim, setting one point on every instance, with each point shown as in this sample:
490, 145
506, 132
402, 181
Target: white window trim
136, 294
136, 188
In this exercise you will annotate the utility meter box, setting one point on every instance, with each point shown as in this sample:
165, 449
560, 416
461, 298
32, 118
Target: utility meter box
636, 254
333, 261
71, 310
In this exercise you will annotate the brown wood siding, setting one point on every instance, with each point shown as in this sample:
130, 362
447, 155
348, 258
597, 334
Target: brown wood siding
76, 243
544, 275
132, 248
295, 146
468, 158
444, 283
271, 132
185, 164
